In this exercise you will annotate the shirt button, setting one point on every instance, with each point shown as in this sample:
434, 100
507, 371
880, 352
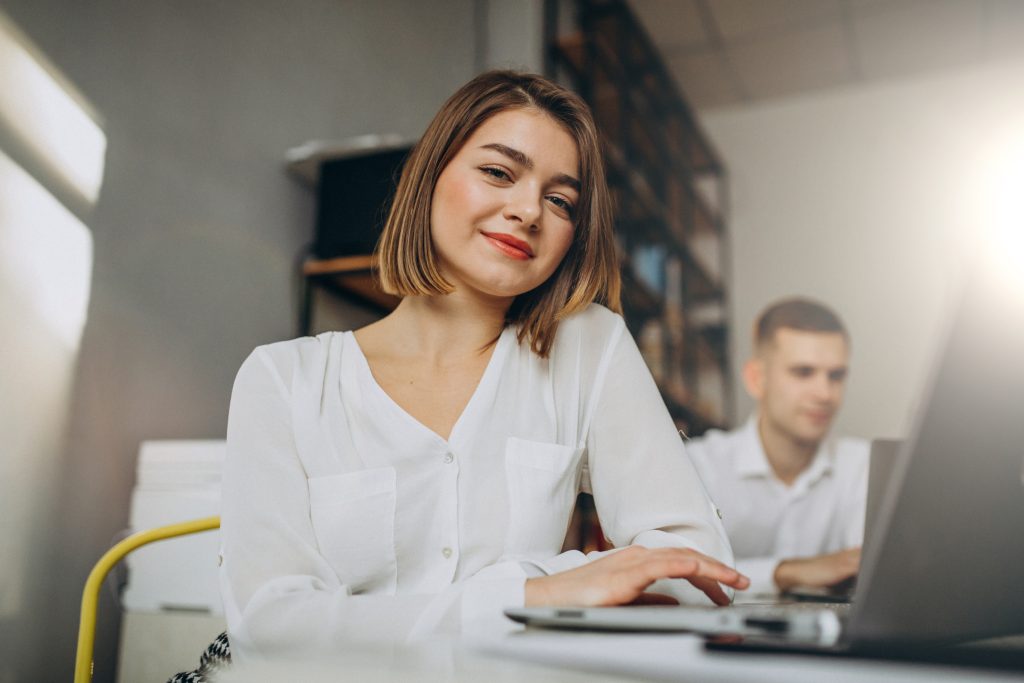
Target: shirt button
448, 457
447, 552
718, 512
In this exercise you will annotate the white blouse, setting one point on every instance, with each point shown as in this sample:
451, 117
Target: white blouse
345, 518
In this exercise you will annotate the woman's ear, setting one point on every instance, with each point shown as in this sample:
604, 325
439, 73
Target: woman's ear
753, 377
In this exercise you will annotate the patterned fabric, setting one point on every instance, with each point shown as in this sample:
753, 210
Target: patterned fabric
216, 657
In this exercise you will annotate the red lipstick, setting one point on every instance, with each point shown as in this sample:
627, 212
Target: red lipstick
509, 245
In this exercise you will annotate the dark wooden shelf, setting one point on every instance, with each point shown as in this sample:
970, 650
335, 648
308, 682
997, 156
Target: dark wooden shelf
715, 335
353, 275
657, 213
640, 301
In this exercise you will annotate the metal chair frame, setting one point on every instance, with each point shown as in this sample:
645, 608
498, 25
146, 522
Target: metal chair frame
91, 593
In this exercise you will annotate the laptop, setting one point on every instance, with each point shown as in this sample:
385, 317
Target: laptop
946, 549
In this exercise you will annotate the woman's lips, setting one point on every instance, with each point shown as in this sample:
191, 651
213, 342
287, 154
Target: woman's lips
512, 247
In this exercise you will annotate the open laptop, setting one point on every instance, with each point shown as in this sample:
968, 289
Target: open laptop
946, 552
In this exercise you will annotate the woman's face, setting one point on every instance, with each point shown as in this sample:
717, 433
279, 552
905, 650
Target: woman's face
503, 207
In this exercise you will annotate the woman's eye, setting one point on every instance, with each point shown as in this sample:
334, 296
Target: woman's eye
496, 173
561, 203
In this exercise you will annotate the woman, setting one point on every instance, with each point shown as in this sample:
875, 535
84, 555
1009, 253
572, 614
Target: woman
417, 476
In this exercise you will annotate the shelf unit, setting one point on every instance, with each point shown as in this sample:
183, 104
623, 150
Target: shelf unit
348, 276
670, 189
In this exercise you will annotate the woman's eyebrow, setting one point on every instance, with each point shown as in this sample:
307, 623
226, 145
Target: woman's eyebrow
566, 179
513, 154
527, 163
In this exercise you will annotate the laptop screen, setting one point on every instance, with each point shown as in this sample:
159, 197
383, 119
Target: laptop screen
947, 551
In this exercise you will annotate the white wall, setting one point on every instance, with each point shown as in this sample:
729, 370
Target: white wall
514, 32
868, 198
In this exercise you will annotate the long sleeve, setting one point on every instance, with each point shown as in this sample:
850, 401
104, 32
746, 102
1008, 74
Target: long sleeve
646, 490
280, 593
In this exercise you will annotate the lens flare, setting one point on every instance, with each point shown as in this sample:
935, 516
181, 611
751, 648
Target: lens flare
1003, 228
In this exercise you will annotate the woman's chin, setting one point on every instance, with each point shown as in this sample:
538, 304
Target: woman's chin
495, 287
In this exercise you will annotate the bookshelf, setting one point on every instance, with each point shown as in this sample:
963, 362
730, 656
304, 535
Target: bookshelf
350, 276
346, 276
670, 189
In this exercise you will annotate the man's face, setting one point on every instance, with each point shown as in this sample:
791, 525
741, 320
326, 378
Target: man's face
798, 380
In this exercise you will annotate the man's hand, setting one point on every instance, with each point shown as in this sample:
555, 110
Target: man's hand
819, 571
621, 577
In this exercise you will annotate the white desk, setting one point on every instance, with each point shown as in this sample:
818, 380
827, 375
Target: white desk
567, 657
436, 662
682, 657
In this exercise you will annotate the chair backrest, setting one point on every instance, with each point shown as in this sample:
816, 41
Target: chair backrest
93, 584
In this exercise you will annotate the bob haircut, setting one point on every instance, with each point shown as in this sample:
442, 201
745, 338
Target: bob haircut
589, 272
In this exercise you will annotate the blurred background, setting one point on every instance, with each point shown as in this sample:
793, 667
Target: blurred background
163, 180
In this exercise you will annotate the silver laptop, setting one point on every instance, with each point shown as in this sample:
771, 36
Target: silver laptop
946, 549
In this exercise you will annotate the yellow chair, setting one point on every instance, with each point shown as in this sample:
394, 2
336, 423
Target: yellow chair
91, 594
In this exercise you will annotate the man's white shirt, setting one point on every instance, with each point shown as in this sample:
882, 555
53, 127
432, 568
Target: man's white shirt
822, 511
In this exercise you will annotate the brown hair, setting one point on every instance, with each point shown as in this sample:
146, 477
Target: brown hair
796, 313
589, 271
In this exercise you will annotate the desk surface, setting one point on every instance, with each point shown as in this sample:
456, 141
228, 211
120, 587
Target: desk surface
436, 662
570, 657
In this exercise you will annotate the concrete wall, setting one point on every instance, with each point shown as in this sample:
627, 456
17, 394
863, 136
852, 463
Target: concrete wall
870, 198
195, 236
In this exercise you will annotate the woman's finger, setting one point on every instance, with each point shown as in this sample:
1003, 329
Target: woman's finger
711, 569
711, 589
704, 573
722, 573
668, 568
709, 565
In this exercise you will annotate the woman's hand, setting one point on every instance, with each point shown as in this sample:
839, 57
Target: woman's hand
621, 577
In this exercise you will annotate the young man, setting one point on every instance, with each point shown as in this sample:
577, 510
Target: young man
792, 498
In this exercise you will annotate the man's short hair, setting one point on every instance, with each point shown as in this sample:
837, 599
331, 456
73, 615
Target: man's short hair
796, 313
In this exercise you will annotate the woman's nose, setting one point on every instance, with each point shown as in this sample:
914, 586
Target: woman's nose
524, 207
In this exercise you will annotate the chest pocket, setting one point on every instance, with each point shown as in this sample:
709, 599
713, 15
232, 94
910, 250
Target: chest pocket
542, 483
353, 518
